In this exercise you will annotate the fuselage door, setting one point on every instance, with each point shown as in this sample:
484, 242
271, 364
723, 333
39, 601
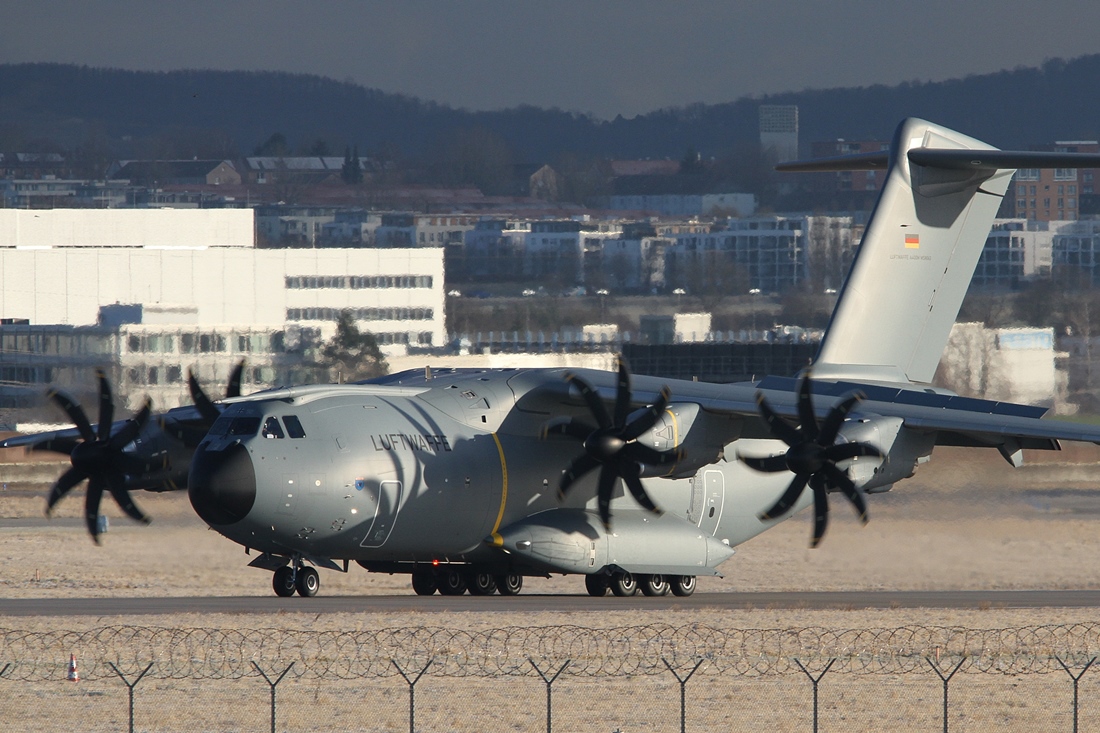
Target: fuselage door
697, 500
387, 503
714, 486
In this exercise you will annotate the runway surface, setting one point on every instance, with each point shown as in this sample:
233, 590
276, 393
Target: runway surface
844, 600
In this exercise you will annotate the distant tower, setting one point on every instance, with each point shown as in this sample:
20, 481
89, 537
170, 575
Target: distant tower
779, 130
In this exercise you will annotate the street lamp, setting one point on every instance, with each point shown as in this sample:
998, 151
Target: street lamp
754, 292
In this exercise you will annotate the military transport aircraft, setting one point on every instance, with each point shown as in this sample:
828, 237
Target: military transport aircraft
472, 479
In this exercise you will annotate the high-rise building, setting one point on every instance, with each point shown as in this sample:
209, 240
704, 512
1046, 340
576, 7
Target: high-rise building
779, 130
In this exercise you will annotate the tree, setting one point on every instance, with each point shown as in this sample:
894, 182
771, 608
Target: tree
275, 146
351, 354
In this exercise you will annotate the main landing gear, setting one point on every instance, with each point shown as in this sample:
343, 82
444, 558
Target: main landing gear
457, 582
304, 580
624, 584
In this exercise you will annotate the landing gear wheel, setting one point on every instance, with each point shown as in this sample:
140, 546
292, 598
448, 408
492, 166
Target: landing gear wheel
307, 582
452, 583
683, 585
423, 584
624, 584
283, 581
654, 585
510, 584
596, 585
481, 584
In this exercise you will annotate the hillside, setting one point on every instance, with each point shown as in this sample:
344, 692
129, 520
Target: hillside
73, 106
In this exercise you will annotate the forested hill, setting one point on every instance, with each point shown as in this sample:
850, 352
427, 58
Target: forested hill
68, 105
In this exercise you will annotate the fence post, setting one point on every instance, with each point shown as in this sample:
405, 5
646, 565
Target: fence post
549, 685
130, 686
814, 681
683, 690
412, 690
1064, 666
945, 680
273, 685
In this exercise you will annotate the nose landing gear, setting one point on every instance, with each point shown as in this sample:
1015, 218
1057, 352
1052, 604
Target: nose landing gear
296, 577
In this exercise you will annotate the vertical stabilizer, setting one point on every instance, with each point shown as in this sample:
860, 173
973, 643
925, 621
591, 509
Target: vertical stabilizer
916, 260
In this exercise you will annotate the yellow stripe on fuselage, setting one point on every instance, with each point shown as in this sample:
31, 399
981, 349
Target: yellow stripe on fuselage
675, 437
497, 539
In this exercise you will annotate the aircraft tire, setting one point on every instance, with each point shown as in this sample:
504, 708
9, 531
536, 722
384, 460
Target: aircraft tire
308, 582
624, 584
596, 585
481, 584
452, 583
510, 584
424, 584
282, 581
654, 585
683, 585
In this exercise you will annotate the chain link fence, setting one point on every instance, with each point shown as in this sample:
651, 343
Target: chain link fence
566, 678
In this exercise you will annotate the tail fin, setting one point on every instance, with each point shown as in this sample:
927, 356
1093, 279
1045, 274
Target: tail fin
919, 251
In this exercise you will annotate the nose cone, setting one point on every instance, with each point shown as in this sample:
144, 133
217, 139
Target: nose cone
222, 484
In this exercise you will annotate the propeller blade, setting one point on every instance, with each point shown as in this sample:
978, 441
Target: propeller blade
807, 420
831, 427
771, 464
821, 509
838, 479
649, 418
128, 432
634, 484
63, 446
592, 399
91, 506
622, 393
117, 485
790, 496
64, 485
639, 453
106, 407
603, 494
75, 413
568, 427
581, 465
845, 451
233, 389
206, 408
780, 428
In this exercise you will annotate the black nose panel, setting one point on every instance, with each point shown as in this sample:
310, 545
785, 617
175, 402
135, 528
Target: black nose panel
222, 484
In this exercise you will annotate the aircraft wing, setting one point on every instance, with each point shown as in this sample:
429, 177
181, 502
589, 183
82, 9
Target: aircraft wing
955, 420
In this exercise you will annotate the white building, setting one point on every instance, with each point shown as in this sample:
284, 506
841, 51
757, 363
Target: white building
194, 274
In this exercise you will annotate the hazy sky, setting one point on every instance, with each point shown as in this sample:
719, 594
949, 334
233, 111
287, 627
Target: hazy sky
606, 57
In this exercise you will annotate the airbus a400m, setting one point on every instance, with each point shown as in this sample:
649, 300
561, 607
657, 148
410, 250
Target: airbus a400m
471, 480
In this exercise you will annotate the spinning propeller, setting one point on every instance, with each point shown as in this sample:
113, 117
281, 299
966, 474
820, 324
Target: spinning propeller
206, 407
611, 445
97, 456
812, 456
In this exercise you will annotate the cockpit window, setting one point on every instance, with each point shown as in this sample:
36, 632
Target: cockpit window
244, 426
272, 428
220, 426
293, 426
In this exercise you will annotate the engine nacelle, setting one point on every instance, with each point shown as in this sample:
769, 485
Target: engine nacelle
902, 448
687, 427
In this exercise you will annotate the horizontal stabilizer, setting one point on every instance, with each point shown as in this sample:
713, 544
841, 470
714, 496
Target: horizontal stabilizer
946, 158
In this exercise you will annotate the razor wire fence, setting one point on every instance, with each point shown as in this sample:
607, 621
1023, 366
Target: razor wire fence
208, 653
636, 678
